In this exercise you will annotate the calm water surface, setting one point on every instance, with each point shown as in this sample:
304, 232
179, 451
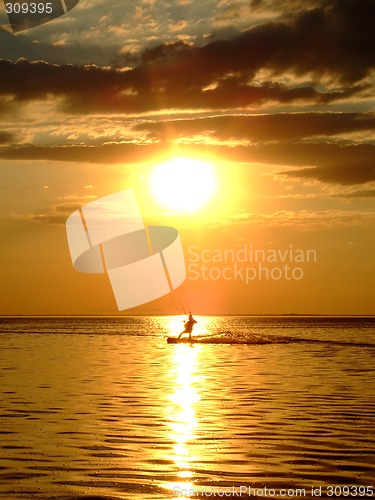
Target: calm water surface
106, 409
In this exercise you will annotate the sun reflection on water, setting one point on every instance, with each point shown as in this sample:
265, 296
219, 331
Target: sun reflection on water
181, 413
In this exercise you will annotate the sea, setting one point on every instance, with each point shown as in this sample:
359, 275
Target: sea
259, 407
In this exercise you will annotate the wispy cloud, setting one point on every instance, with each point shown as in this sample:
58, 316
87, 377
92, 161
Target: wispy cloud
305, 219
261, 127
336, 163
363, 193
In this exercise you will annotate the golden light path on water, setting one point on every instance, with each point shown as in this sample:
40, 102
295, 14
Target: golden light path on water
94, 408
182, 417
181, 413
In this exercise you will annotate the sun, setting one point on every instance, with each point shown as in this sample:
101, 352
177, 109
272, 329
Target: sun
183, 184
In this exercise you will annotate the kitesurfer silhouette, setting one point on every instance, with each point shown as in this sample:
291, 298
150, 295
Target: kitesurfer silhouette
189, 324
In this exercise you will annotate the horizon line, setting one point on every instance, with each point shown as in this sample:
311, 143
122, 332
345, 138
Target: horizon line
321, 315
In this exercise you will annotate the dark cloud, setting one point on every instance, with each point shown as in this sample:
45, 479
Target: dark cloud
339, 174
25, 80
292, 6
255, 4
348, 164
335, 39
326, 37
93, 89
345, 164
54, 215
109, 153
270, 127
331, 39
365, 193
333, 163
6, 137
48, 218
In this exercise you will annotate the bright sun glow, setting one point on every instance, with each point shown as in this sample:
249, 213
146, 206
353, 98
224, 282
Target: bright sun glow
183, 184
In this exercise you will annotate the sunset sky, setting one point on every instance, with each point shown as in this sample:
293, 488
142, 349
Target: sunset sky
277, 96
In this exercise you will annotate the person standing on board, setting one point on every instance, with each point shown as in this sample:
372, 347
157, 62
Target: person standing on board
189, 324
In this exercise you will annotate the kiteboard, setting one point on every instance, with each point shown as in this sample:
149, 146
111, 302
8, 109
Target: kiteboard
184, 340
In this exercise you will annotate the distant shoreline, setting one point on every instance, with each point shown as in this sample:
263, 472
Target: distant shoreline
285, 315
